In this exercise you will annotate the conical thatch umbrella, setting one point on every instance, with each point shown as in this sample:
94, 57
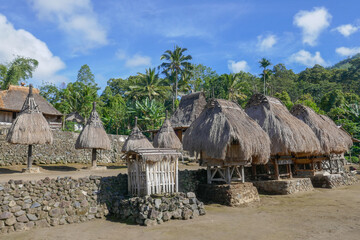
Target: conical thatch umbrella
30, 127
288, 135
136, 140
166, 137
332, 139
224, 132
93, 136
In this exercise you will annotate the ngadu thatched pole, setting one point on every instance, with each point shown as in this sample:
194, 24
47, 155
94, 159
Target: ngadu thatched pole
136, 140
93, 136
30, 127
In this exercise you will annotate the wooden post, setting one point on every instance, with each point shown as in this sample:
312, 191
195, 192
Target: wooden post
253, 171
289, 169
208, 171
276, 169
29, 162
148, 189
242, 174
227, 175
129, 174
176, 176
93, 159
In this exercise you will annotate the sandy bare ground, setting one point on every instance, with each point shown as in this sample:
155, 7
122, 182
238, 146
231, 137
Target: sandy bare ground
321, 214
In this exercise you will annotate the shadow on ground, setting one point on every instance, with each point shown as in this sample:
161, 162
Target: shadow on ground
7, 171
59, 168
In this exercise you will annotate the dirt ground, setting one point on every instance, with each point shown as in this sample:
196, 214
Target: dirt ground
317, 215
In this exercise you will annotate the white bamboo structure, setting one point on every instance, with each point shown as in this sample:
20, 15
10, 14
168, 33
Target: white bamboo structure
152, 171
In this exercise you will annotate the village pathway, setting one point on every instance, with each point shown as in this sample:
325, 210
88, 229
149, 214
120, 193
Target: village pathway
317, 215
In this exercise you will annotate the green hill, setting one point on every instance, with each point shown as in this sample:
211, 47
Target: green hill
344, 64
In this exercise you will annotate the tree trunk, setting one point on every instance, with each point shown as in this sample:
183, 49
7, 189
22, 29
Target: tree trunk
176, 86
29, 160
93, 161
264, 83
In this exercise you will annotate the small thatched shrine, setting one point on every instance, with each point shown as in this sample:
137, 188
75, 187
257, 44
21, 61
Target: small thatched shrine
190, 107
166, 137
291, 139
30, 128
93, 136
150, 170
334, 141
227, 140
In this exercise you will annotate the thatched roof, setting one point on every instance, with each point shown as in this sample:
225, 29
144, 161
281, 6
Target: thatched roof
221, 124
13, 99
332, 139
136, 140
288, 135
189, 109
166, 137
74, 117
156, 154
30, 127
93, 135
354, 140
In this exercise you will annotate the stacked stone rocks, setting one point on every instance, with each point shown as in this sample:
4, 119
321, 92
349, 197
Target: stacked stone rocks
151, 211
62, 151
333, 180
284, 186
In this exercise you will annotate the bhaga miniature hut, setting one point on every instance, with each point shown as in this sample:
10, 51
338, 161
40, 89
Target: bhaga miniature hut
166, 137
150, 170
227, 140
93, 136
189, 109
30, 128
291, 139
334, 142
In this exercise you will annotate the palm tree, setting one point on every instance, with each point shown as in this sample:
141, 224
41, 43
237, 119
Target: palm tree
264, 63
20, 68
176, 63
148, 85
233, 86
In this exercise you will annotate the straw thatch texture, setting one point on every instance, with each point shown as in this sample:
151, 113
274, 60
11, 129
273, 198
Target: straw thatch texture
93, 135
189, 109
30, 127
156, 154
74, 117
136, 140
166, 137
13, 99
288, 135
223, 124
332, 139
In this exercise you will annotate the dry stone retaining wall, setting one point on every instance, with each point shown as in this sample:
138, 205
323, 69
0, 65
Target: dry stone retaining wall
62, 151
284, 186
333, 180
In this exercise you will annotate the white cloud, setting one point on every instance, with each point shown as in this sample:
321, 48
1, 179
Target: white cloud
265, 43
305, 58
236, 67
312, 23
136, 60
77, 19
18, 42
344, 51
347, 29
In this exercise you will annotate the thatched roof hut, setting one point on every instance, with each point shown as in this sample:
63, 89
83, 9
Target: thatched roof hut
332, 139
75, 117
136, 140
93, 136
288, 135
189, 109
166, 137
30, 126
225, 133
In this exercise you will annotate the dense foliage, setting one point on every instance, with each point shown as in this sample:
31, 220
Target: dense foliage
332, 91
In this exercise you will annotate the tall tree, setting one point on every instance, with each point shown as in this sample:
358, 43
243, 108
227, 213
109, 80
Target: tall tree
176, 63
264, 63
21, 68
85, 75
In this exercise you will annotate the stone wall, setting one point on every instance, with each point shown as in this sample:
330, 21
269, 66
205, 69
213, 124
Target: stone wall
235, 194
333, 180
284, 186
62, 151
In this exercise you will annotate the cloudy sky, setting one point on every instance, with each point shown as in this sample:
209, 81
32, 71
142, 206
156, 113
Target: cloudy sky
119, 38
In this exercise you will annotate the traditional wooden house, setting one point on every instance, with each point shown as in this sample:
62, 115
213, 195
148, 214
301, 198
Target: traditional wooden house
93, 136
166, 137
30, 128
227, 140
189, 109
12, 100
150, 170
334, 142
291, 139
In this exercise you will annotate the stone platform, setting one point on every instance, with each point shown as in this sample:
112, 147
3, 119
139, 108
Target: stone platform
284, 186
326, 180
234, 194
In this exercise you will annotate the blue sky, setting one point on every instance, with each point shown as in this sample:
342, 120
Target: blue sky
120, 38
